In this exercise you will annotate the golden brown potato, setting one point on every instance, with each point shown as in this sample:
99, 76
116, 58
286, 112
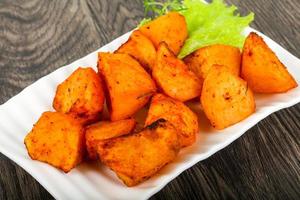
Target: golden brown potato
81, 95
129, 86
174, 77
103, 130
226, 98
57, 139
170, 28
141, 48
178, 114
262, 69
135, 158
201, 60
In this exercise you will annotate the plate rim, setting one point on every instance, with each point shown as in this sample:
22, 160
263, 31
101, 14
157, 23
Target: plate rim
150, 192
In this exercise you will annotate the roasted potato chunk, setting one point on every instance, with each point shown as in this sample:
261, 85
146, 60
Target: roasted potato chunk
174, 77
204, 58
170, 28
129, 86
226, 99
178, 114
81, 95
262, 69
141, 48
103, 130
57, 139
135, 158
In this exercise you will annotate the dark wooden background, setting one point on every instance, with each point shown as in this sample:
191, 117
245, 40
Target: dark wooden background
39, 36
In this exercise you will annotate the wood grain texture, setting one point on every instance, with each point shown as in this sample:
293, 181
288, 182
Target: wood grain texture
39, 36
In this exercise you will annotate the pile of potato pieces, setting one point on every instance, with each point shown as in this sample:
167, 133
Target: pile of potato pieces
146, 68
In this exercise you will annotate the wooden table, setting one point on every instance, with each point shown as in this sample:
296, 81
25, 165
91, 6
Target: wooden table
37, 37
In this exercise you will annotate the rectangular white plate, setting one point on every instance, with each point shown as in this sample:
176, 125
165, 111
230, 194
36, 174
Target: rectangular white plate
94, 181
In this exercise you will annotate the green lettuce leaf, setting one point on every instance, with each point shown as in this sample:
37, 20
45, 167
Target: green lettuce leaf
208, 23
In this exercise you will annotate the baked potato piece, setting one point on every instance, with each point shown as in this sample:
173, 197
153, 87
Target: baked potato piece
262, 69
174, 77
178, 114
129, 86
226, 99
81, 95
57, 139
170, 28
103, 130
137, 157
201, 60
141, 48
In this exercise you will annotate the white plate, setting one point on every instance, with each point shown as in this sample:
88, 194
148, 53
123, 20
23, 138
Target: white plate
94, 181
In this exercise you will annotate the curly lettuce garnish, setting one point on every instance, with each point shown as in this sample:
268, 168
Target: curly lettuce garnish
208, 23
